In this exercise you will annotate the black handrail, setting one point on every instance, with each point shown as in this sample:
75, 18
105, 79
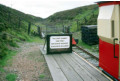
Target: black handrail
114, 46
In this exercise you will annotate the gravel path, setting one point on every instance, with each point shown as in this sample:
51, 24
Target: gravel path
29, 64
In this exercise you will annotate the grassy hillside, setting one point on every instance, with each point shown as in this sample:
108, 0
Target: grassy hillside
14, 24
88, 17
13, 28
84, 15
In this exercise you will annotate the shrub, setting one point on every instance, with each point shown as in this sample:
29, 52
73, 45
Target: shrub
11, 77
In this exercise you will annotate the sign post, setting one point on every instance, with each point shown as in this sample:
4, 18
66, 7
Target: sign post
59, 43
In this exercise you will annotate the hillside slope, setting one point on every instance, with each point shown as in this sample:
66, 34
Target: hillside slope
13, 28
71, 14
84, 15
14, 24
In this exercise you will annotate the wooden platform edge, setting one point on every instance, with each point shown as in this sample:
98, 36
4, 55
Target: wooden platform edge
44, 53
42, 50
55, 70
61, 75
94, 67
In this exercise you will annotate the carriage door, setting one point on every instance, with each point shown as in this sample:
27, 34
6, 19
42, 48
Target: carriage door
109, 36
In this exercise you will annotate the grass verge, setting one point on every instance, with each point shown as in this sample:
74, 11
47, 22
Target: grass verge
11, 77
4, 61
93, 48
42, 76
82, 44
35, 39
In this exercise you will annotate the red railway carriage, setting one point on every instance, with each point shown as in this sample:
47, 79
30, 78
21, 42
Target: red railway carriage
109, 37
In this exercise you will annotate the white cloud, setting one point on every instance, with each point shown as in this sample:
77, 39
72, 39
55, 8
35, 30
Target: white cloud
44, 8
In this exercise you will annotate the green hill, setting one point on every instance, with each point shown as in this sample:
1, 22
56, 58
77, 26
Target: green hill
14, 24
84, 15
14, 27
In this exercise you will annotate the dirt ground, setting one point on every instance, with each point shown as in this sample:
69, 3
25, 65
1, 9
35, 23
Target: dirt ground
29, 64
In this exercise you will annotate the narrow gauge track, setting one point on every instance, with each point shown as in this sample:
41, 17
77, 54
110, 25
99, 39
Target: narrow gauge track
91, 59
86, 55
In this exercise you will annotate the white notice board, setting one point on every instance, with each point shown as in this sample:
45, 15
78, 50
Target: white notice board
57, 42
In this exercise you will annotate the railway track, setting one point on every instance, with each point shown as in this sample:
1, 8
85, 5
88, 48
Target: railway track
91, 59
86, 55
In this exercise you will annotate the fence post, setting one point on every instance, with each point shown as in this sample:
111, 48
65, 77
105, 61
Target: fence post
68, 28
55, 30
63, 29
39, 31
85, 20
29, 27
77, 25
46, 30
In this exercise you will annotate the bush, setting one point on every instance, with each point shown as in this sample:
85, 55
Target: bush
3, 49
2, 27
13, 43
11, 77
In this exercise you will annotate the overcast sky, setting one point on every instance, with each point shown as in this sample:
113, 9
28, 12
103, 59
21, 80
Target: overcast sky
44, 8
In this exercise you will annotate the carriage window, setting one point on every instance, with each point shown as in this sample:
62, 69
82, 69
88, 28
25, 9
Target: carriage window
105, 21
112, 28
